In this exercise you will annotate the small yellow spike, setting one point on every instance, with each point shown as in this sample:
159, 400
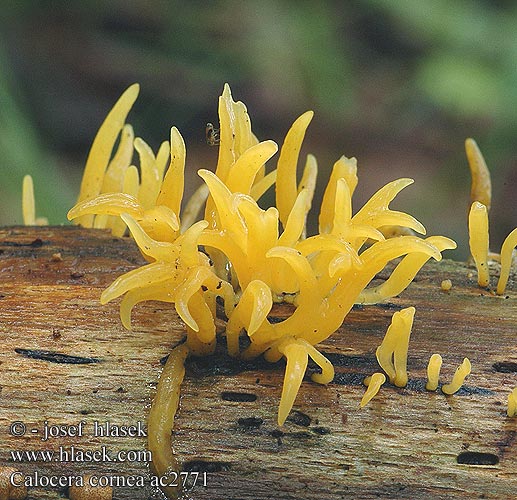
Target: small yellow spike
286, 188
457, 380
478, 241
512, 404
374, 384
101, 149
433, 372
171, 192
509, 244
294, 371
481, 187
28, 204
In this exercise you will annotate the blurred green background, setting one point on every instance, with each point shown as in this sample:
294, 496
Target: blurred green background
397, 83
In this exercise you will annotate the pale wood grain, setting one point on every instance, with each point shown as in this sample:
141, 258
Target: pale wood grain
404, 444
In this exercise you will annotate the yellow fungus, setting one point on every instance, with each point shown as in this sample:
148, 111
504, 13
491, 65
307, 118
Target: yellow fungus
249, 256
446, 285
459, 376
478, 241
286, 187
433, 372
374, 384
509, 244
100, 152
481, 187
29, 211
29, 206
161, 417
512, 403
392, 353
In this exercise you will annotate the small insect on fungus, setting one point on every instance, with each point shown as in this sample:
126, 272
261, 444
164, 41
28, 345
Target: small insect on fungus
212, 135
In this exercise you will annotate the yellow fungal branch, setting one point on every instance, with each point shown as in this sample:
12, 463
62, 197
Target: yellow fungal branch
512, 403
29, 205
100, 152
507, 248
478, 241
374, 384
481, 186
459, 376
433, 372
161, 417
392, 353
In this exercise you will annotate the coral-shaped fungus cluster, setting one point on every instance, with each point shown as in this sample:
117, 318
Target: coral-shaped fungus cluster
240, 254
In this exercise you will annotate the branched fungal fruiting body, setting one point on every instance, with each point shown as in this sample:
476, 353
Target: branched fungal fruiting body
248, 256
392, 353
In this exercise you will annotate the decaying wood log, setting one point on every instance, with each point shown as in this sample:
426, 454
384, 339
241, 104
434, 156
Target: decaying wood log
65, 359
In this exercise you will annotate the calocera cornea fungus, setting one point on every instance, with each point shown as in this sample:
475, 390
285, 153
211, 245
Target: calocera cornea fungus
29, 204
433, 372
373, 384
512, 404
460, 374
248, 256
478, 241
392, 353
481, 199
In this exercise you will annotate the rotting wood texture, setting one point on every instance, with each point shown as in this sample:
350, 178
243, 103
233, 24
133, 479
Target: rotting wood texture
66, 359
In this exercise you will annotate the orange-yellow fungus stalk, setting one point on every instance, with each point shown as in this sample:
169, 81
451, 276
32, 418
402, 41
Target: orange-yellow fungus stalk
512, 404
374, 384
433, 372
392, 353
459, 376
478, 241
509, 244
481, 186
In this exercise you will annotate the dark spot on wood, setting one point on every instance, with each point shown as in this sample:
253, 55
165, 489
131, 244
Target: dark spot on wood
299, 435
121, 390
389, 306
238, 397
86, 412
220, 364
322, 431
37, 243
349, 378
250, 422
68, 392
299, 418
205, 466
204, 288
345, 466
477, 458
76, 275
279, 441
56, 334
505, 367
362, 362
56, 357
